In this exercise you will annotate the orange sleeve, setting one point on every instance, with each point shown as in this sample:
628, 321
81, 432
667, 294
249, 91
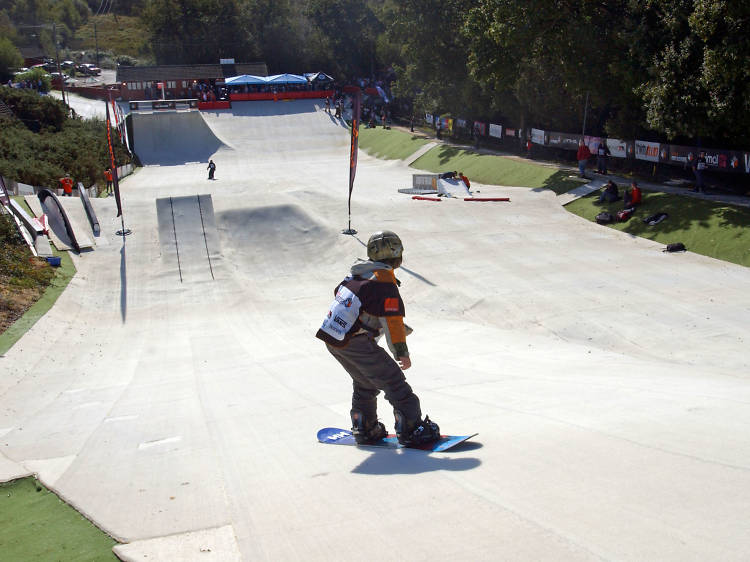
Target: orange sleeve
396, 328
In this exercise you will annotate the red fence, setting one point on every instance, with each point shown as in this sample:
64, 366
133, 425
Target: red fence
204, 105
256, 96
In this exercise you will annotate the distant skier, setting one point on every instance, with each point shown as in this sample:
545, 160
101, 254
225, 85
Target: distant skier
368, 305
211, 169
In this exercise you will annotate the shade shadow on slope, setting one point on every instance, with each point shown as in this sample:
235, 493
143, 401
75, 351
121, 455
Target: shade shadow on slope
275, 240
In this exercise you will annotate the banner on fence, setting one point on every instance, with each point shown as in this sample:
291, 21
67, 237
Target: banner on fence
563, 140
617, 148
537, 136
429, 119
461, 123
511, 132
480, 129
592, 142
496, 131
648, 151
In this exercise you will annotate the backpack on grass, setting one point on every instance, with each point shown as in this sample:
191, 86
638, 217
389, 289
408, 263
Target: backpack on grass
605, 218
625, 214
675, 247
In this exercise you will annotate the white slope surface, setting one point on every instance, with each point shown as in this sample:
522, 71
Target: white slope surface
608, 380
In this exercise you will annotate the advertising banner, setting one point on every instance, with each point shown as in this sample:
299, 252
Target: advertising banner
480, 129
496, 130
592, 142
537, 136
617, 148
648, 151
721, 159
428, 117
461, 123
682, 154
511, 132
563, 140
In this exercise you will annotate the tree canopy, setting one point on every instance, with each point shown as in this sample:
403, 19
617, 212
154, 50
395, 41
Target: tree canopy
671, 69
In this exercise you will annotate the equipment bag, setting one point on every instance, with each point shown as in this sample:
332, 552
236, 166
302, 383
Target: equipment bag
604, 218
675, 247
624, 215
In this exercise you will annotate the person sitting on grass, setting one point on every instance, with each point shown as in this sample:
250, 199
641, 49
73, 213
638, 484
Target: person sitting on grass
632, 196
610, 193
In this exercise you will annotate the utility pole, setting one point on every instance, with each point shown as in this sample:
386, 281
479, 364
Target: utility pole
585, 110
96, 42
59, 71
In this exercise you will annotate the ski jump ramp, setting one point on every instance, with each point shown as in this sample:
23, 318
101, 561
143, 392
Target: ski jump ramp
608, 380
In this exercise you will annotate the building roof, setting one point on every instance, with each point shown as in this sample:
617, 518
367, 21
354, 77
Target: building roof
187, 71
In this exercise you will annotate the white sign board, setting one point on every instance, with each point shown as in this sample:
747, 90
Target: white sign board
496, 130
537, 136
648, 151
617, 148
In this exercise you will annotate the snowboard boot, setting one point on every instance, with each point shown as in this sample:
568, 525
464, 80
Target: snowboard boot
417, 432
365, 431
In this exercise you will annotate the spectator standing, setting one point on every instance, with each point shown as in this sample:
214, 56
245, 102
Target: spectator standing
211, 169
67, 185
699, 167
582, 156
602, 152
108, 177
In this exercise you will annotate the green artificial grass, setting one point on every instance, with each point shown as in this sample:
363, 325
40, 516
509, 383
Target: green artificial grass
36, 525
495, 170
389, 144
705, 227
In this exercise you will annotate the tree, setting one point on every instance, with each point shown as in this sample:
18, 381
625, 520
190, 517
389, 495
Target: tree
195, 31
431, 65
10, 59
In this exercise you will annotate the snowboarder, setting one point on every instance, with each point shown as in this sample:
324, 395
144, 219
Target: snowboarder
367, 305
211, 169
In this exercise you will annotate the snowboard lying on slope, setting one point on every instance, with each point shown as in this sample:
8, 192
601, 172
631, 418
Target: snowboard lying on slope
336, 436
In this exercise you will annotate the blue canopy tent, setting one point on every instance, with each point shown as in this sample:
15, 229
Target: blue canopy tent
318, 77
286, 79
244, 79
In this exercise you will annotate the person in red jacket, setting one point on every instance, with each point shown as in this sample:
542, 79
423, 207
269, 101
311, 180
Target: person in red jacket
108, 177
367, 305
67, 185
582, 156
464, 179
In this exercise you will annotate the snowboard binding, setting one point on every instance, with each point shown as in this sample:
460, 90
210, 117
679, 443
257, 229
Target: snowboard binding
366, 432
417, 433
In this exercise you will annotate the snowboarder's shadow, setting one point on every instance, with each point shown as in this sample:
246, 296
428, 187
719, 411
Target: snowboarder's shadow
404, 461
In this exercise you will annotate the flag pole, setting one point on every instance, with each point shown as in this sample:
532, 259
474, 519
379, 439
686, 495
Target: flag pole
113, 168
353, 156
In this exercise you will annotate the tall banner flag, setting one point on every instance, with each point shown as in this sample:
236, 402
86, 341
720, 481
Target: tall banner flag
356, 103
112, 164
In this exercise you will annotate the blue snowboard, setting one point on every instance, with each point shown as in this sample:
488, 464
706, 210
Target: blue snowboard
336, 436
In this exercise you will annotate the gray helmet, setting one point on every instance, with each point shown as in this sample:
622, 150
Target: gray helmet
383, 245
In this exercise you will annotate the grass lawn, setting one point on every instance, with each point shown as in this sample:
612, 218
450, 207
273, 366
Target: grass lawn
36, 525
705, 227
495, 170
389, 144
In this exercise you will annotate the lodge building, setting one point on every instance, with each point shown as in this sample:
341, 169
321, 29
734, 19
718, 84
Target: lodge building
180, 81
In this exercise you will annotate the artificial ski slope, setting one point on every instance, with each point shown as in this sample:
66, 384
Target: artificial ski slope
175, 401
